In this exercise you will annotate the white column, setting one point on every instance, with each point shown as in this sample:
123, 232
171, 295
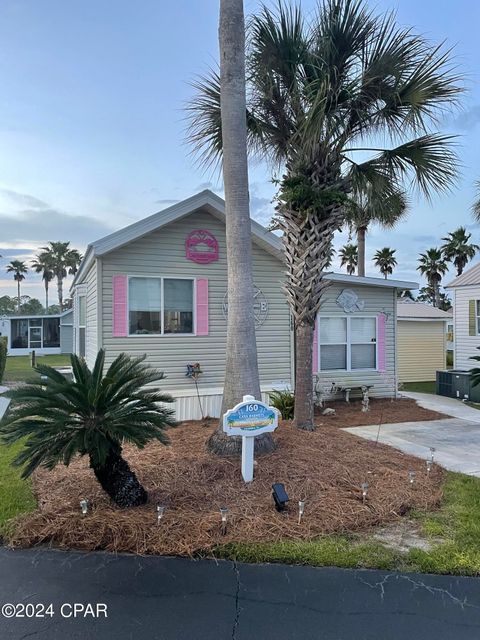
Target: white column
248, 444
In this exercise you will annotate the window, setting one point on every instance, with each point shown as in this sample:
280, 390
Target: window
348, 343
82, 325
19, 337
160, 305
477, 316
35, 333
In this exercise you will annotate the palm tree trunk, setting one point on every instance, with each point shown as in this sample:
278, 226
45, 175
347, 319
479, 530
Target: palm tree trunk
361, 232
241, 366
46, 297
18, 294
119, 481
303, 377
436, 294
60, 292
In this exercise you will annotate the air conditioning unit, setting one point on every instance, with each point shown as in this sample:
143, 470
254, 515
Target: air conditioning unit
456, 384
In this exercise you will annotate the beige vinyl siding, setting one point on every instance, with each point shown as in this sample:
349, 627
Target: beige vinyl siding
376, 300
421, 350
465, 344
162, 253
91, 342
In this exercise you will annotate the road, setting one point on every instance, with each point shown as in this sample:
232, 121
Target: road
180, 599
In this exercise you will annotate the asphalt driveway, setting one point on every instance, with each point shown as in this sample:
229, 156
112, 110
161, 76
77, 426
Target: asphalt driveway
180, 599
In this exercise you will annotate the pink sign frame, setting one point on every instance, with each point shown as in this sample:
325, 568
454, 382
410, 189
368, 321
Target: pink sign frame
201, 247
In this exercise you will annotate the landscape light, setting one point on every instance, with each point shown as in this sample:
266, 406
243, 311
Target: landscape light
364, 488
280, 496
432, 452
160, 512
223, 513
411, 477
301, 510
429, 466
84, 506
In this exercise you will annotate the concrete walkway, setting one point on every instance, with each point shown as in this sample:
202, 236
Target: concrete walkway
456, 440
179, 599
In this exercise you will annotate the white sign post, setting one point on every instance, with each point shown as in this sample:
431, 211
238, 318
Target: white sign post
248, 419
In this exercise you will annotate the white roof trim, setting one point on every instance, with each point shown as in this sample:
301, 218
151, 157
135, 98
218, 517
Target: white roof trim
372, 282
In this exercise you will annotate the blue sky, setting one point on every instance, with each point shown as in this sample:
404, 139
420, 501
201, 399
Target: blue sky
92, 131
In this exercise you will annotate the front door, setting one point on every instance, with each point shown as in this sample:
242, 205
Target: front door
35, 337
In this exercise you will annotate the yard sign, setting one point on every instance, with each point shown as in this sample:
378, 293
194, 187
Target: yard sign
248, 419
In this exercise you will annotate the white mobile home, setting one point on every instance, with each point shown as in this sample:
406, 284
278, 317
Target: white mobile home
466, 317
159, 287
46, 335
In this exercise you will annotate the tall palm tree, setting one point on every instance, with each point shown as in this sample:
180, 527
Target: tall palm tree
385, 261
241, 366
365, 210
43, 264
64, 261
476, 204
458, 250
349, 257
319, 91
432, 265
19, 269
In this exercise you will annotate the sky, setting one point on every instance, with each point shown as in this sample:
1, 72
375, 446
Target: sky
92, 130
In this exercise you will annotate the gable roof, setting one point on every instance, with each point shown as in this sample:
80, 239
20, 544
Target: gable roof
206, 200
213, 204
420, 311
471, 276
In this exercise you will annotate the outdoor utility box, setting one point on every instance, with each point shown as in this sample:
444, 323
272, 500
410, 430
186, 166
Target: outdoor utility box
457, 384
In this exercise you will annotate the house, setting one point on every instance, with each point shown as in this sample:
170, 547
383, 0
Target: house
466, 317
44, 334
422, 340
159, 287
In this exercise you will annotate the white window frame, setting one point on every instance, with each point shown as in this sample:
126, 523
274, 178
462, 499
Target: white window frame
477, 317
162, 307
348, 343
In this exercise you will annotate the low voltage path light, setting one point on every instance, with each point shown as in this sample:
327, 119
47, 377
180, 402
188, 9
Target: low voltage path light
84, 506
432, 454
364, 488
429, 467
301, 510
411, 477
160, 512
280, 496
223, 513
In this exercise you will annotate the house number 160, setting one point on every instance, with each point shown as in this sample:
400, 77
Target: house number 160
252, 407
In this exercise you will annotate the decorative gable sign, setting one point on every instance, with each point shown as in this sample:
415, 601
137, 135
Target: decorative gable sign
349, 301
201, 247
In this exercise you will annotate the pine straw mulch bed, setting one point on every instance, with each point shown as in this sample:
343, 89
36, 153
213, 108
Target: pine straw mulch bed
325, 468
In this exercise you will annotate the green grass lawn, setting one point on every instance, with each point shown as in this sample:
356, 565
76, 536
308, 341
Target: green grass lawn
456, 523
16, 494
19, 368
419, 387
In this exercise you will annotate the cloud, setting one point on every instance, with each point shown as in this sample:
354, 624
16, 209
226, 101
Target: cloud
24, 199
166, 202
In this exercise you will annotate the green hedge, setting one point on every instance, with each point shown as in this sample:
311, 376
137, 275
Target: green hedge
3, 355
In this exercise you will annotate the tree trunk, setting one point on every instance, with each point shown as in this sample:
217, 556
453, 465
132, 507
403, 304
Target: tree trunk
60, 293
46, 297
18, 294
361, 232
120, 482
241, 367
436, 294
303, 415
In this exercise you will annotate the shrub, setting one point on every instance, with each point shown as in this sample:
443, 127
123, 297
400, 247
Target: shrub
91, 415
3, 355
284, 401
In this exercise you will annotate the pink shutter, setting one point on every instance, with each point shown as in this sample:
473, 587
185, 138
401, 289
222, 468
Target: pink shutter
382, 358
119, 285
315, 348
202, 306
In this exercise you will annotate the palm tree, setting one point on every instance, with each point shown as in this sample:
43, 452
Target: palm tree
319, 92
19, 269
43, 264
64, 261
365, 210
432, 265
241, 366
476, 204
458, 250
92, 415
349, 256
385, 261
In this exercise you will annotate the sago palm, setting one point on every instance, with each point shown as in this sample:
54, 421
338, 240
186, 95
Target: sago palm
19, 270
385, 261
323, 91
458, 249
348, 255
432, 265
93, 415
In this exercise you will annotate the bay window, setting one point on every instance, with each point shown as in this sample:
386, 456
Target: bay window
347, 343
160, 305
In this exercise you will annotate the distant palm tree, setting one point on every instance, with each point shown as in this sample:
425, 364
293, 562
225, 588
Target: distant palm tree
349, 257
476, 204
64, 261
365, 209
44, 264
385, 261
19, 269
432, 265
405, 294
458, 250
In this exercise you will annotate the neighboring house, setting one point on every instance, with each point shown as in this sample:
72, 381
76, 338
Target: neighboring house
466, 317
46, 335
422, 340
159, 287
